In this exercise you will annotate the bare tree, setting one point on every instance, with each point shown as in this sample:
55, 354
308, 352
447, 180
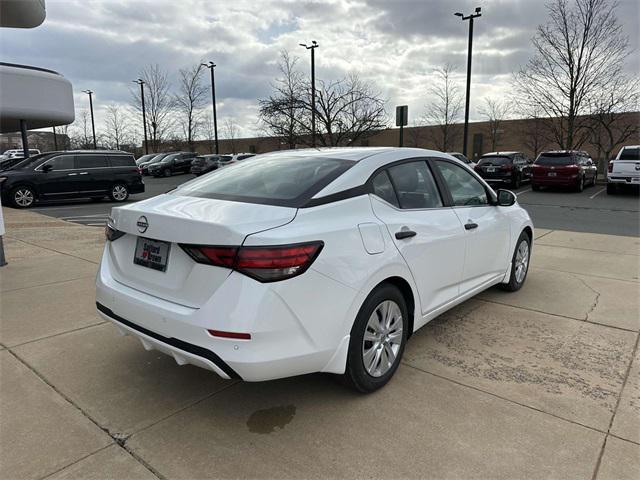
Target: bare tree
578, 53
495, 112
158, 103
116, 126
80, 136
444, 111
609, 128
231, 132
282, 113
534, 134
189, 101
209, 133
346, 111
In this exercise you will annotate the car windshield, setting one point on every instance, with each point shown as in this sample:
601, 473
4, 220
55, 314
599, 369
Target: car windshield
158, 158
494, 161
168, 158
630, 153
274, 180
556, 160
21, 163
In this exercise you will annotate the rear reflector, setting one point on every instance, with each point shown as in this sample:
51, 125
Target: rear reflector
264, 263
237, 336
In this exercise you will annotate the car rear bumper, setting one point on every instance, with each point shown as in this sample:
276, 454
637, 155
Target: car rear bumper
281, 345
560, 181
623, 179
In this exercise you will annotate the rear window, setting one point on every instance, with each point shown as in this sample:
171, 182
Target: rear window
555, 160
274, 180
495, 161
630, 154
122, 161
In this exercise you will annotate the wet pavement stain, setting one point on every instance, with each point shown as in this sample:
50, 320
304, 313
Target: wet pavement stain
265, 421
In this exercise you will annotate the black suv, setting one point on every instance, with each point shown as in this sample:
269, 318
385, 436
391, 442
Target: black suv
179, 162
208, 163
504, 167
72, 174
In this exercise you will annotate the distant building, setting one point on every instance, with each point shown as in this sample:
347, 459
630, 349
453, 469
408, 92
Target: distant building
43, 141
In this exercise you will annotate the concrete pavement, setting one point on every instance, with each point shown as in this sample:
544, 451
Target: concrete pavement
543, 383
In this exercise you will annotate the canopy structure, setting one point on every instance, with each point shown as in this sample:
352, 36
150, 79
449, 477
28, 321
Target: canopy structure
39, 97
22, 13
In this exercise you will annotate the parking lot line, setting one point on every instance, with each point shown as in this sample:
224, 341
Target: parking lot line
597, 193
523, 191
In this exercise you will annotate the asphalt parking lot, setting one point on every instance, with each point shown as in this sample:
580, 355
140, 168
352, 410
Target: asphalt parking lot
542, 383
591, 211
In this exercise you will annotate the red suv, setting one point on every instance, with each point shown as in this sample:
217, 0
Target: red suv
563, 168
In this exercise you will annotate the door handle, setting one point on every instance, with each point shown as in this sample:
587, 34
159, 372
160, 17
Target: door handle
83, 173
405, 234
71, 174
470, 226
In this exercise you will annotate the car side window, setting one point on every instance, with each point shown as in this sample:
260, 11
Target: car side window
122, 161
415, 186
383, 188
465, 188
63, 162
91, 161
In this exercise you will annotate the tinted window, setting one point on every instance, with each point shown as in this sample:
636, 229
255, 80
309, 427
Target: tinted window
630, 154
63, 162
555, 159
465, 188
91, 161
275, 180
168, 158
486, 161
415, 185
383, 188
122, 161
242, 157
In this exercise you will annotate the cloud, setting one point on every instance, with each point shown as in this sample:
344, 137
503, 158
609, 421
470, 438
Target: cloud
102, 45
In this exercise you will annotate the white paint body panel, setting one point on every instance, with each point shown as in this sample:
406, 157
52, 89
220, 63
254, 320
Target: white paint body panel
303, 324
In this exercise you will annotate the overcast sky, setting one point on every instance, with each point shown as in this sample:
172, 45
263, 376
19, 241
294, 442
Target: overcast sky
396, 44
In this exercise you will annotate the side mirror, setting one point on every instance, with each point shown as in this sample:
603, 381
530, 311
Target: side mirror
506, 198
47, 168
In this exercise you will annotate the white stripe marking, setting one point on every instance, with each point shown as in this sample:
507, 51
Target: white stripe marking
597, 193
522, 191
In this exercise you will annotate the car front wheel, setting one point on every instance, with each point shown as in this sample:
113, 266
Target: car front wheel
378, 338
519, 264
23, 197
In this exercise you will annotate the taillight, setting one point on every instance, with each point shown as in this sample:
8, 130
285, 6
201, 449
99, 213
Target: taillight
264, 263
610, 167
507, 167
111, 233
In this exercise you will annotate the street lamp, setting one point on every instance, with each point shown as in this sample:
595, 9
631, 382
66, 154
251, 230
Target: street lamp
144, 114
312, 47
211, 66
93, 125
466, 106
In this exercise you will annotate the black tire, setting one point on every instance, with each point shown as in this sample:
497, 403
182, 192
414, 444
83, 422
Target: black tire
514, 284
119, 192
22, 196
595, 178
580, 186
166, 172
535, 187
517, 181
612, 189
356, 374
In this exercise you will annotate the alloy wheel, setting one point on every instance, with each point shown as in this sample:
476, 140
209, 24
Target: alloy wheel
23, 197
522, 261
382, 338
119, 193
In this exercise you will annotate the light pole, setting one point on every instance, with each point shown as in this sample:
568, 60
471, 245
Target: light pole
93, 125
144, 113
211, 66
312, 47
466, 105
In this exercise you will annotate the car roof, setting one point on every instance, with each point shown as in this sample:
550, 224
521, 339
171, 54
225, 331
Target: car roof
563, 152
631, 146
499, 154
354, 154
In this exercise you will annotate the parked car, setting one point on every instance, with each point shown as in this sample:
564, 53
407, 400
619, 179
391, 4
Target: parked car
462, 158
19, 153
71, 174
624, 169
309, 260
144, 166
145, 158
179, 162
208, 163
511, 168
564, 168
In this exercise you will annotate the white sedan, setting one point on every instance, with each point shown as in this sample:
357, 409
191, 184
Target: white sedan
309, 260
